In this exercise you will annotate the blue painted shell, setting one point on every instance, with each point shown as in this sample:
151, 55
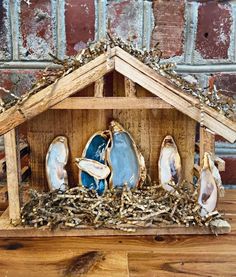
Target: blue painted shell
95, 150
124, 159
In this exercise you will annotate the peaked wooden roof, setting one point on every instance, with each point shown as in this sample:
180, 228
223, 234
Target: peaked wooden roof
133, 69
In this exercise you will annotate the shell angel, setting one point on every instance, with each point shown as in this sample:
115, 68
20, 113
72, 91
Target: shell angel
56, 160
169, 164
209, 183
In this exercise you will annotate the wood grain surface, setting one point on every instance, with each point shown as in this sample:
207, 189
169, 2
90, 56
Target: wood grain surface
124, 256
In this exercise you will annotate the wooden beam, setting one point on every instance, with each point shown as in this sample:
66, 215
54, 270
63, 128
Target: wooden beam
196, 170
139, 75
93, 103
99, 87
13, 173
207, 143
55, 93
130, 90
9, 231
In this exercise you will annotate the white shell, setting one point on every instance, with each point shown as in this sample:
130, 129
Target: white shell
216, 174
169, 164
56, 160
93, 168
208, 194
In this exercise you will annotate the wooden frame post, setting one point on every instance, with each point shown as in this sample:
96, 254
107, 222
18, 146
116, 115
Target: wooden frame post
207, 143
99, 87
13, 175
130, 89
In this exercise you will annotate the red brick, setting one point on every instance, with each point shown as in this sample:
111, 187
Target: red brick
80, 24
169, 26
213, 30
17, 81
4, 32
36, 30
229, 175
226, 83
220, 138
125, 18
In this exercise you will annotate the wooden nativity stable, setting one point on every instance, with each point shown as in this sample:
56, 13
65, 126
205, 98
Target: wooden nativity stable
114, 85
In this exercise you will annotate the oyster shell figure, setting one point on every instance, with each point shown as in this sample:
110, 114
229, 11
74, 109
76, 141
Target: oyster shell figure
216, 175
93, 168
95, 151
169, 164
56, 160
126, 162
208, 194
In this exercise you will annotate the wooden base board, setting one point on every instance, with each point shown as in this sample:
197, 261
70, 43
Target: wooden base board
9, 231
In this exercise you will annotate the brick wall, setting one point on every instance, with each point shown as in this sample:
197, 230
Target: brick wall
198, 35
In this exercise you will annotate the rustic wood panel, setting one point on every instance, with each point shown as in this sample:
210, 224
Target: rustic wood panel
76, 125
147, 127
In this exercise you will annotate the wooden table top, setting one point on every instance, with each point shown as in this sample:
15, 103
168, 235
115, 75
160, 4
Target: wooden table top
201, 255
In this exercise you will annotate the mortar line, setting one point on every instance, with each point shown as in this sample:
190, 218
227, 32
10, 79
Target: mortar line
147, 24
183, 68
232, 47
14, 8
101, 18
191, 17
60, 29
7, 21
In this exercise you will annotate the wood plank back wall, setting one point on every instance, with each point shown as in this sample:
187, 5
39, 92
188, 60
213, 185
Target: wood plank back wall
148, 128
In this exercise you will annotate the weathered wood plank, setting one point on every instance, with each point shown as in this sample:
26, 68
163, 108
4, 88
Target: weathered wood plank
56, 92
74, 103
130, 89
13, 173
172, 264
207, 143
9, 231
162, 244
64, 262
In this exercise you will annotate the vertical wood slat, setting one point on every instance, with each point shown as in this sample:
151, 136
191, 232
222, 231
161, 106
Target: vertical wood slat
99, 88
207, 143
13, 175
130, 89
